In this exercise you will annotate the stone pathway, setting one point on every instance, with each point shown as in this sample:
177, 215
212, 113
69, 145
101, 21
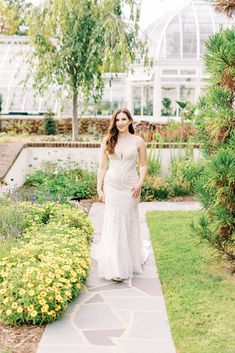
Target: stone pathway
8, 154
110, 317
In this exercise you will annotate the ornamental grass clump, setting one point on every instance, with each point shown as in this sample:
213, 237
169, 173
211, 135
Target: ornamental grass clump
48, 268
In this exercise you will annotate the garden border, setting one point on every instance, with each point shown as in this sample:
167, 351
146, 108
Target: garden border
10, 152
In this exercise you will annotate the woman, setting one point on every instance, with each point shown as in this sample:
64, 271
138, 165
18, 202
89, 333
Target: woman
118, 185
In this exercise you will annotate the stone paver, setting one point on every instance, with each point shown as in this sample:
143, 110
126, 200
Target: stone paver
110, 317
8, 154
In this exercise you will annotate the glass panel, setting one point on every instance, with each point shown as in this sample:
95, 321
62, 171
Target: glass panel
187, 93
170, 47
205, 26
32, 102
136, 98
148, 100
169, 97
4, 92
189, 33
16, 98
170, 72
188, 72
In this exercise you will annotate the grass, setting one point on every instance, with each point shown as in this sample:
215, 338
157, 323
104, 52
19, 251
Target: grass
199, 293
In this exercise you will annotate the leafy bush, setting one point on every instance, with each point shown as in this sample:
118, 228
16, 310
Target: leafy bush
49, 266
183, 176
216, 191
61, 184
154, 188
50, 124
216, 124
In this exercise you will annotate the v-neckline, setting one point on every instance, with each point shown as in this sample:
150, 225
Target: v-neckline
121, 154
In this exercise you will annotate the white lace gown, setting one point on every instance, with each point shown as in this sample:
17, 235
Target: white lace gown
121, 251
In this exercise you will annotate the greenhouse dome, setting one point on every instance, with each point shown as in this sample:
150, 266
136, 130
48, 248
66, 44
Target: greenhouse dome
176, 45
182, 34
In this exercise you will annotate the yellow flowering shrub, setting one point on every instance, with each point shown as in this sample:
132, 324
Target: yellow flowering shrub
48, 267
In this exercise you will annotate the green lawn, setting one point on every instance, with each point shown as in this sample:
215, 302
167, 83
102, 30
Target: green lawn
199, 293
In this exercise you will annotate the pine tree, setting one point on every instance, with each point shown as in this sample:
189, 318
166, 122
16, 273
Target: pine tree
216, 127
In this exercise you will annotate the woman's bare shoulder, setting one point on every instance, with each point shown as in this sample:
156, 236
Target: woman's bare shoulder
105, 139
139, 140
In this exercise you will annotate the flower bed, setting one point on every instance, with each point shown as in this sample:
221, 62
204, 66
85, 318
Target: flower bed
48, 267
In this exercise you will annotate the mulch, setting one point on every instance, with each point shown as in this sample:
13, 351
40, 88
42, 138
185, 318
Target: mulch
20, 339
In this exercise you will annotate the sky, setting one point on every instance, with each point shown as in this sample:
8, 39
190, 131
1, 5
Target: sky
151, 9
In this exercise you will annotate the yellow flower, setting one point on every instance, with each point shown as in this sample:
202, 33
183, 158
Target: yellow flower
6, 300
52, 313
29, 285
45, 308
22, 291
19, 309
14, 305
33, 313
48, 280
30, 307
31, 292
8, 312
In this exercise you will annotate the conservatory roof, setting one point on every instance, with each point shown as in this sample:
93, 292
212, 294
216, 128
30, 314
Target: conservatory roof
181, 34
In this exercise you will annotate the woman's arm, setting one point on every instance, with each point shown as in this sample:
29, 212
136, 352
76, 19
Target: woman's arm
142, 152
102, 168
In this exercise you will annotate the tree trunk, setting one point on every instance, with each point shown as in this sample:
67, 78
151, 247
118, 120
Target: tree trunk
75, 117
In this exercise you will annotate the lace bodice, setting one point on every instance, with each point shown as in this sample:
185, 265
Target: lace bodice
122, 169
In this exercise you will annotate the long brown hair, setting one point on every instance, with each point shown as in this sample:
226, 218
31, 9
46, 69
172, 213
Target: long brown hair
112, 136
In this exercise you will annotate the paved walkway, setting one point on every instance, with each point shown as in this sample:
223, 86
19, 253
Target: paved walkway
110, 317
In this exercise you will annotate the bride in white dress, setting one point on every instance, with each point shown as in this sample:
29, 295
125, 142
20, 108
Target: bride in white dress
118, 185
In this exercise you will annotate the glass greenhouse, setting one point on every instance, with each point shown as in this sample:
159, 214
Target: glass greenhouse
176, 45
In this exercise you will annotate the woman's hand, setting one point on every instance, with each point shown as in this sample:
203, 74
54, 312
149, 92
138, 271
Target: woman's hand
101, 195
136, 190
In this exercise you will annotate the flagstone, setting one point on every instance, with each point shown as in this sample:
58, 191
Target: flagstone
129, 292
102, 337
143, 346
153, 303
95, 299
150, 286
96, 316
152, 325
62, 331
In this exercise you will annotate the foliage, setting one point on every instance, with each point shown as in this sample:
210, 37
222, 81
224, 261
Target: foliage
167, 109
216, 124
62, 183
48, 268
197, 288
49, 124
183, 175
12, 16
173, 131
154, 188
14, 219
216, 118
216, 191
154, 157
77, 41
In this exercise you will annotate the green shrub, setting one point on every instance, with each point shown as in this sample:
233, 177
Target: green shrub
62, 183
48, 268
50, 124
216, 191
154, 189
183, 175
